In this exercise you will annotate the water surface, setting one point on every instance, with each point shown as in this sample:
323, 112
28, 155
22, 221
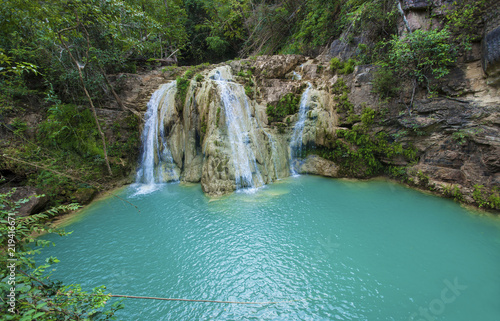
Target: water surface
343, 250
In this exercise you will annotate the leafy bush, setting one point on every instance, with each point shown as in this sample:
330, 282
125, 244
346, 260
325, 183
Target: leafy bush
421, 55
339, 87
463, 19
368, 116
335, 64
343, 68
287, 105
348, 67
19, 126
70, 128
385, 83
359, 153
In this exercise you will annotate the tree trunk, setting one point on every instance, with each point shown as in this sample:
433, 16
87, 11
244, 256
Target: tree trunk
87, 94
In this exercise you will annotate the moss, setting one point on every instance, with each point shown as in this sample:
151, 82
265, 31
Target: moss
359, 154
203, 125
281, 127
218, 116
287, 105
339, 87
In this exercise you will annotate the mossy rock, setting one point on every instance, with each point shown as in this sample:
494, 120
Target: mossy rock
84, 195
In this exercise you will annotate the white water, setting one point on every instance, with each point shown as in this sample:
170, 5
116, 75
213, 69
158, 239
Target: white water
157, 165
298, 129
274, 153
296, 76
240, 134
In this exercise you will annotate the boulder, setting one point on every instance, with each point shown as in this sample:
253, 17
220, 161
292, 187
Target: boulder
316, 165
36, 202
85, 195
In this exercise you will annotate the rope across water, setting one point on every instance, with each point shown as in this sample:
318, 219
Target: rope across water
206, 301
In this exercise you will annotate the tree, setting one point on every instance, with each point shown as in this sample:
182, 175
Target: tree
420, 57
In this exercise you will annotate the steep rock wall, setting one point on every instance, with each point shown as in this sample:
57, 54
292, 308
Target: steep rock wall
455, 136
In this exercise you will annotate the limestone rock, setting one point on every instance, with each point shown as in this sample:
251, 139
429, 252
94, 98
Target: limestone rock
316, 165
85, 195
276, 66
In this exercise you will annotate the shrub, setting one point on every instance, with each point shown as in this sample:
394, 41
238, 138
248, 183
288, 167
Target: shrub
368, 116
339, 87
335, 64
421, 55
287, 105
385, 83
343, 68
348, 67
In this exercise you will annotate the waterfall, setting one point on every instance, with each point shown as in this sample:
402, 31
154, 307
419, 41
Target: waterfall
157, 164
240, 134
296, 76
274, 153
298, 129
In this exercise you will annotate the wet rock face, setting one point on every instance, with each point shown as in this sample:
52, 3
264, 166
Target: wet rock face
276, 67
456, 138
316, 165
491, 56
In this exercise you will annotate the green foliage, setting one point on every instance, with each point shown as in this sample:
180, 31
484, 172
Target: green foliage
245, 76
479, 196
8, 66
485, 199
68, 127
203, 125
463, 18
385, 83
217, 116
344, 105
19, 126
287, 105
460, 137
494, 199
359, 153
335, 64
249, 91
368, 116
37, 297
423, 179
339, 87
281, 127
421, 55
453, 191
180, 95
343, 68
348, 67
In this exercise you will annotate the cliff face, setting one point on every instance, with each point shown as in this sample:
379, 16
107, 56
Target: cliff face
222, 138
456, 138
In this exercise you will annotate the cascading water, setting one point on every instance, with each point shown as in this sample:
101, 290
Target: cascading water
157, 165
274, 153
296, 76
298, 129
240, 133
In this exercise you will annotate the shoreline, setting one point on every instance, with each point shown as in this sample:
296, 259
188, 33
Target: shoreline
64, 220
